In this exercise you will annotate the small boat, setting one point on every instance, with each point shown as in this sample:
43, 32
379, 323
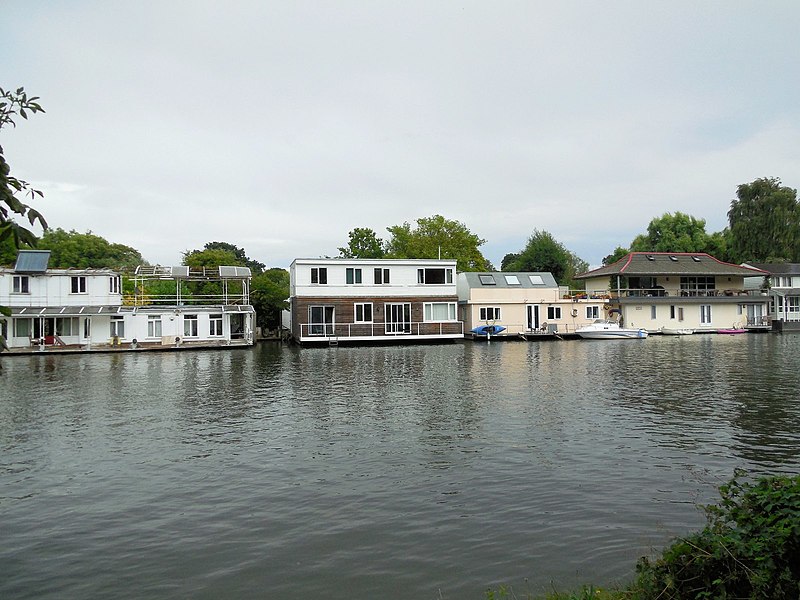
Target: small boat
488, 329
732, 331
670, 331
603, 329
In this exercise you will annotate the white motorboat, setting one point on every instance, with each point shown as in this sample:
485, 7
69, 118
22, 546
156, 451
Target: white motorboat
603, 329
670, 331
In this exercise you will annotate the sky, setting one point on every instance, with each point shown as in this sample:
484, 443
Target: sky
281, 126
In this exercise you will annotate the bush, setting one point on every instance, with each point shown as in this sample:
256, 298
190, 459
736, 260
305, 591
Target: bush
750, 548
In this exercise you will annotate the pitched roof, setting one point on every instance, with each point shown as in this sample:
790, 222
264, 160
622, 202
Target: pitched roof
777, 268
638, 264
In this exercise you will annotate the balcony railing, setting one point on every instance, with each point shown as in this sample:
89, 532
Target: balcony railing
381, 330
685, 293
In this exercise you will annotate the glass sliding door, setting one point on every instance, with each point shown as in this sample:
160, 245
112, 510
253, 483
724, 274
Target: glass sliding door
320, 320
398, 318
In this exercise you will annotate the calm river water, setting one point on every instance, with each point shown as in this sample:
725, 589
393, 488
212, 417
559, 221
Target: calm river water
420, 472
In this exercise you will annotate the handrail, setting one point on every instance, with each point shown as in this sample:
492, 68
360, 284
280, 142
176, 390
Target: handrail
383, 330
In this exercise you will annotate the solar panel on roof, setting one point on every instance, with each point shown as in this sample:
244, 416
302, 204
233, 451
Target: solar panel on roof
32, 261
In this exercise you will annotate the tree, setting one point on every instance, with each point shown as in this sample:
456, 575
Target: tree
239, 253
269, 295
11, 105
363, 243
616, 255
673, 233
70, 249
764, 222
508, 259
437, 237
544, 253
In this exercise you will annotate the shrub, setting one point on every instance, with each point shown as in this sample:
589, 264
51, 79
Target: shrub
750, 548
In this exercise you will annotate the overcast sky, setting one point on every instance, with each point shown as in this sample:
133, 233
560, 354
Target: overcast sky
281, 126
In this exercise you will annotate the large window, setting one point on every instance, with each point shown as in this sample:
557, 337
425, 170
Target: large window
154, 326
353, 276
67, 326
215, 325
319, 275
490, 313
78, 284
117, 327
434, 276
705, 314
21, 284
363, 312
190, 325
440, 311
22, 327
592, 312
381, 276
320, 320
697, 286
553, 313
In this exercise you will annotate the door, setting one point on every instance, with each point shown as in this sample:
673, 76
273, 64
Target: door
398, 318
533, 317
320, 320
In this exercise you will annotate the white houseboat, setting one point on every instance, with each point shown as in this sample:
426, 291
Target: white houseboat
87, 309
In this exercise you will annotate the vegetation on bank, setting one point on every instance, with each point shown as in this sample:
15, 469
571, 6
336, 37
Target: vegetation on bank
749, 549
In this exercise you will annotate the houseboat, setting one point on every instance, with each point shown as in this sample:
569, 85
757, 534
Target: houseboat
88, 309
335, 300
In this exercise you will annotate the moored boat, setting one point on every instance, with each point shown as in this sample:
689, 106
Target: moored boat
603, 329
488, 329
732, 331
680, 331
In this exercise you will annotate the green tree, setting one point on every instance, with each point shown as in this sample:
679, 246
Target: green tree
764, 222
241, 256
269, 295
719, 245
616, 255
70, 249
673, 233
363, 243
544, 253
508, 259
13, 104
437, 237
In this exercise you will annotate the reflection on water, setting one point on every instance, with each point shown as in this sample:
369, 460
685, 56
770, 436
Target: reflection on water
388, 472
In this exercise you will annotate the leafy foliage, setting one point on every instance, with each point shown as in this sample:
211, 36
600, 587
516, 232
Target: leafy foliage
269, 295
70, 249
673, 233
616, 255
14, 104
363, 243
241, 257
435, 237
748, 549
765, 222
544, 253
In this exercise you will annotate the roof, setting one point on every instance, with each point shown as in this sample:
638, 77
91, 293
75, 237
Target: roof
777, 268
64, 311
516, 280
637, 264
32, 261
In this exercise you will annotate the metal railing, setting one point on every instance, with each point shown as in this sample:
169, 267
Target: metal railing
381, 330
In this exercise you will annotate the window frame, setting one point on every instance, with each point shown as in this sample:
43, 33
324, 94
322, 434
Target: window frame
428, 309
365, 307
21, 284
381, 276
154, 322
77, 284
553, 313
489, 313
353, 276
215, 323
319, 275
190, 322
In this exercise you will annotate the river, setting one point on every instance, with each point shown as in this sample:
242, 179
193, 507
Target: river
425, 472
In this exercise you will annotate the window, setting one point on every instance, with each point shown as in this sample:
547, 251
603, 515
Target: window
22, 327
512, 280
113, 285
705, 314
215, 325
536, 279
363, 312
553, 313
21, 284
487, 280
697, 286
592, 312
653, 313
117, 326
680, 313
672, 312
319, 275
381, 276
353, 276
87, 328
434, 276
490, 313
190, 325
154, 326
78, 284
67, 326
320, 320
440, 311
